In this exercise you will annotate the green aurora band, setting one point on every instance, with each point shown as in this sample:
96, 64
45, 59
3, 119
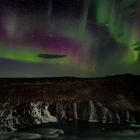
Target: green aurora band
117, 15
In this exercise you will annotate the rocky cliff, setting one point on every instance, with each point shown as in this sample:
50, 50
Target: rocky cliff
27, 101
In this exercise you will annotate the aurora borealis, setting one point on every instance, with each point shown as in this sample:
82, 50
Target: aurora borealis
83, 38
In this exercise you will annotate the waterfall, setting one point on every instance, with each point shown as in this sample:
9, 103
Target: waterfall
107, 114
110, 115
7, 119
47, 117
118, 117
129, 117
93, 114
132, 119
60, 111
75, 111
105, 111
63, 114
36, 113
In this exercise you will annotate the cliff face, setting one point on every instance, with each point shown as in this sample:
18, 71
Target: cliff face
27, 101
116, 92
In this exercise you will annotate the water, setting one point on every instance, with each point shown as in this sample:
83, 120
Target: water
75, 131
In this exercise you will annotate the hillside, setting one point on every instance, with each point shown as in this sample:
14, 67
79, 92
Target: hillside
122, 91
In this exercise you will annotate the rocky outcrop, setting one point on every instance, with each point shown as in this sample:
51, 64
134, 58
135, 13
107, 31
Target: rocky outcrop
120, 92
29, 101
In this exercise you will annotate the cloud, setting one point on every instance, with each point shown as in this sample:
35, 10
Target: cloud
51, 56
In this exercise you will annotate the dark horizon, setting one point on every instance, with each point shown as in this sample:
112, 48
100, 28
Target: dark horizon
74, 77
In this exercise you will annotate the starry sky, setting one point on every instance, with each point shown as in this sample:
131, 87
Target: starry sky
80, 38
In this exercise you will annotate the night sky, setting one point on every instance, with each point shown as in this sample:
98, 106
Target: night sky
82, 38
